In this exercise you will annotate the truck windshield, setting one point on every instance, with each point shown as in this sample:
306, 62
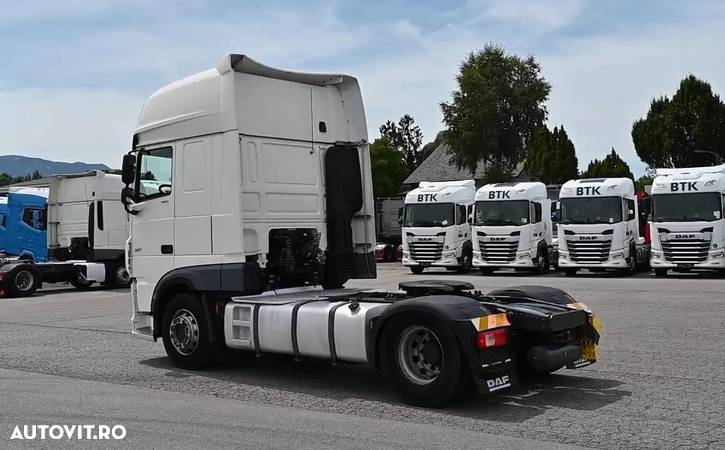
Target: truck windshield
493, 213
705, 206
429, 215
588, 210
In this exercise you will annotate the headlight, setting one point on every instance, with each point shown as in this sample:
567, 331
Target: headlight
717, 254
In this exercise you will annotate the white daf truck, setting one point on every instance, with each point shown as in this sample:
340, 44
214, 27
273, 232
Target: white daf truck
599, 226
512, 227
247, 187
437, 226
687, 225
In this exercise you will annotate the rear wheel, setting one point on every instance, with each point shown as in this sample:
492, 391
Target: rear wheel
185, 333
422, 360
416, 269
117, 276
24, 282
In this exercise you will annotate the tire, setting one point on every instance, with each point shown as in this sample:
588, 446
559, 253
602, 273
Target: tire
570, 272
437, 381
417, 269
466, 263
542, 261
119, 276
660, 273
486, 270
631, 263
185, 333
24, 281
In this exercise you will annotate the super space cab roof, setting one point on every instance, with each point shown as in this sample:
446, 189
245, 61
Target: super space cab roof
512, 191
461, 192
242, 94
689, 180
598, 187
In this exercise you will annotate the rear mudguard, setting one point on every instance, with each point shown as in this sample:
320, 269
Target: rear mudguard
491, 370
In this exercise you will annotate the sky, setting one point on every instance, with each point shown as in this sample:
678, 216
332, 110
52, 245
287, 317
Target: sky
75, 73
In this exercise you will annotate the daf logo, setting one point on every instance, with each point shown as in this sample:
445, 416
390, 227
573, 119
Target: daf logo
425, 239
498, 382
684, 236
587, 238
498, 239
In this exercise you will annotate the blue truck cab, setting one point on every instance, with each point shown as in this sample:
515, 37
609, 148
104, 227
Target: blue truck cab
3, 221
25, 232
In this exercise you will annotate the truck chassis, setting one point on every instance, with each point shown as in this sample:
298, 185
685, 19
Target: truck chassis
431, 339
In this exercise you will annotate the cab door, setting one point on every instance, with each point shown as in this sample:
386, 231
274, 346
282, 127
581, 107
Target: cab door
152, 246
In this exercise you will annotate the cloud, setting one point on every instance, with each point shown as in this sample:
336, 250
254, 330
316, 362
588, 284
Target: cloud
68, 124
544, 15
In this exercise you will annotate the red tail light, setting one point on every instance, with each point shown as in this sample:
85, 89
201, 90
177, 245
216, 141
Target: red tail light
492, 338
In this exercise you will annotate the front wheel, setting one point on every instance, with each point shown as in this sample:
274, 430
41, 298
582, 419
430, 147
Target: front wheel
185, 333
542, 262
465, 264
660, 272
416, 269
24, 282
570, 272
422, 360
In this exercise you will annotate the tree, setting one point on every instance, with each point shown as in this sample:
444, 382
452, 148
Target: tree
36, 175
493, 114
552, 158
642, 182
387, 168
612, 166
5, 179
407, 138
672, 132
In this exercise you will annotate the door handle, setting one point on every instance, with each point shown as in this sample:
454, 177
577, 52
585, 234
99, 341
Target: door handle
167, 249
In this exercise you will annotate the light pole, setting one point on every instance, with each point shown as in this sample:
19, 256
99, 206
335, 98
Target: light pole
717, 156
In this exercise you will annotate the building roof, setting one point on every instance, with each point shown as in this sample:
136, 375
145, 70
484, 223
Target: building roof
436, 167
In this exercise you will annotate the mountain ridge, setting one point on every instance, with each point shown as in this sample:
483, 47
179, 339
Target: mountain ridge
19, 165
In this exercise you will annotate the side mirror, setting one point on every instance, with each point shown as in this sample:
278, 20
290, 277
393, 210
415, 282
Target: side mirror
165, 189
127, 199
400, 221
128, 171
470, 220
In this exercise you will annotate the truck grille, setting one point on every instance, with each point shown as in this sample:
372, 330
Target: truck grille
425, 251
686, 251
590, 251
498, 252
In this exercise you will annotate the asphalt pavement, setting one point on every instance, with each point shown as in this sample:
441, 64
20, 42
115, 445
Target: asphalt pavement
67, 357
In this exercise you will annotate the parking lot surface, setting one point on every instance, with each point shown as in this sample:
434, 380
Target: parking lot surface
68, 357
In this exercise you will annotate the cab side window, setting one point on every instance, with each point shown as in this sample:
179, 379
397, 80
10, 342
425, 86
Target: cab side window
3, 221
630, 209
154, 168
537, 212
35, 218
461, 214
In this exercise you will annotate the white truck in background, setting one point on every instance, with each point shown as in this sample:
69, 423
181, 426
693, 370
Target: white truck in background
437, 227
687, 225
599, 226
512, 227
79, 235
245, 179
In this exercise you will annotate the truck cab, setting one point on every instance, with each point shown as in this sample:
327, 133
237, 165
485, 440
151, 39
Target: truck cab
599, 225
687, 225
436, 225
512, 227
246, 178
26, 223
3, 221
